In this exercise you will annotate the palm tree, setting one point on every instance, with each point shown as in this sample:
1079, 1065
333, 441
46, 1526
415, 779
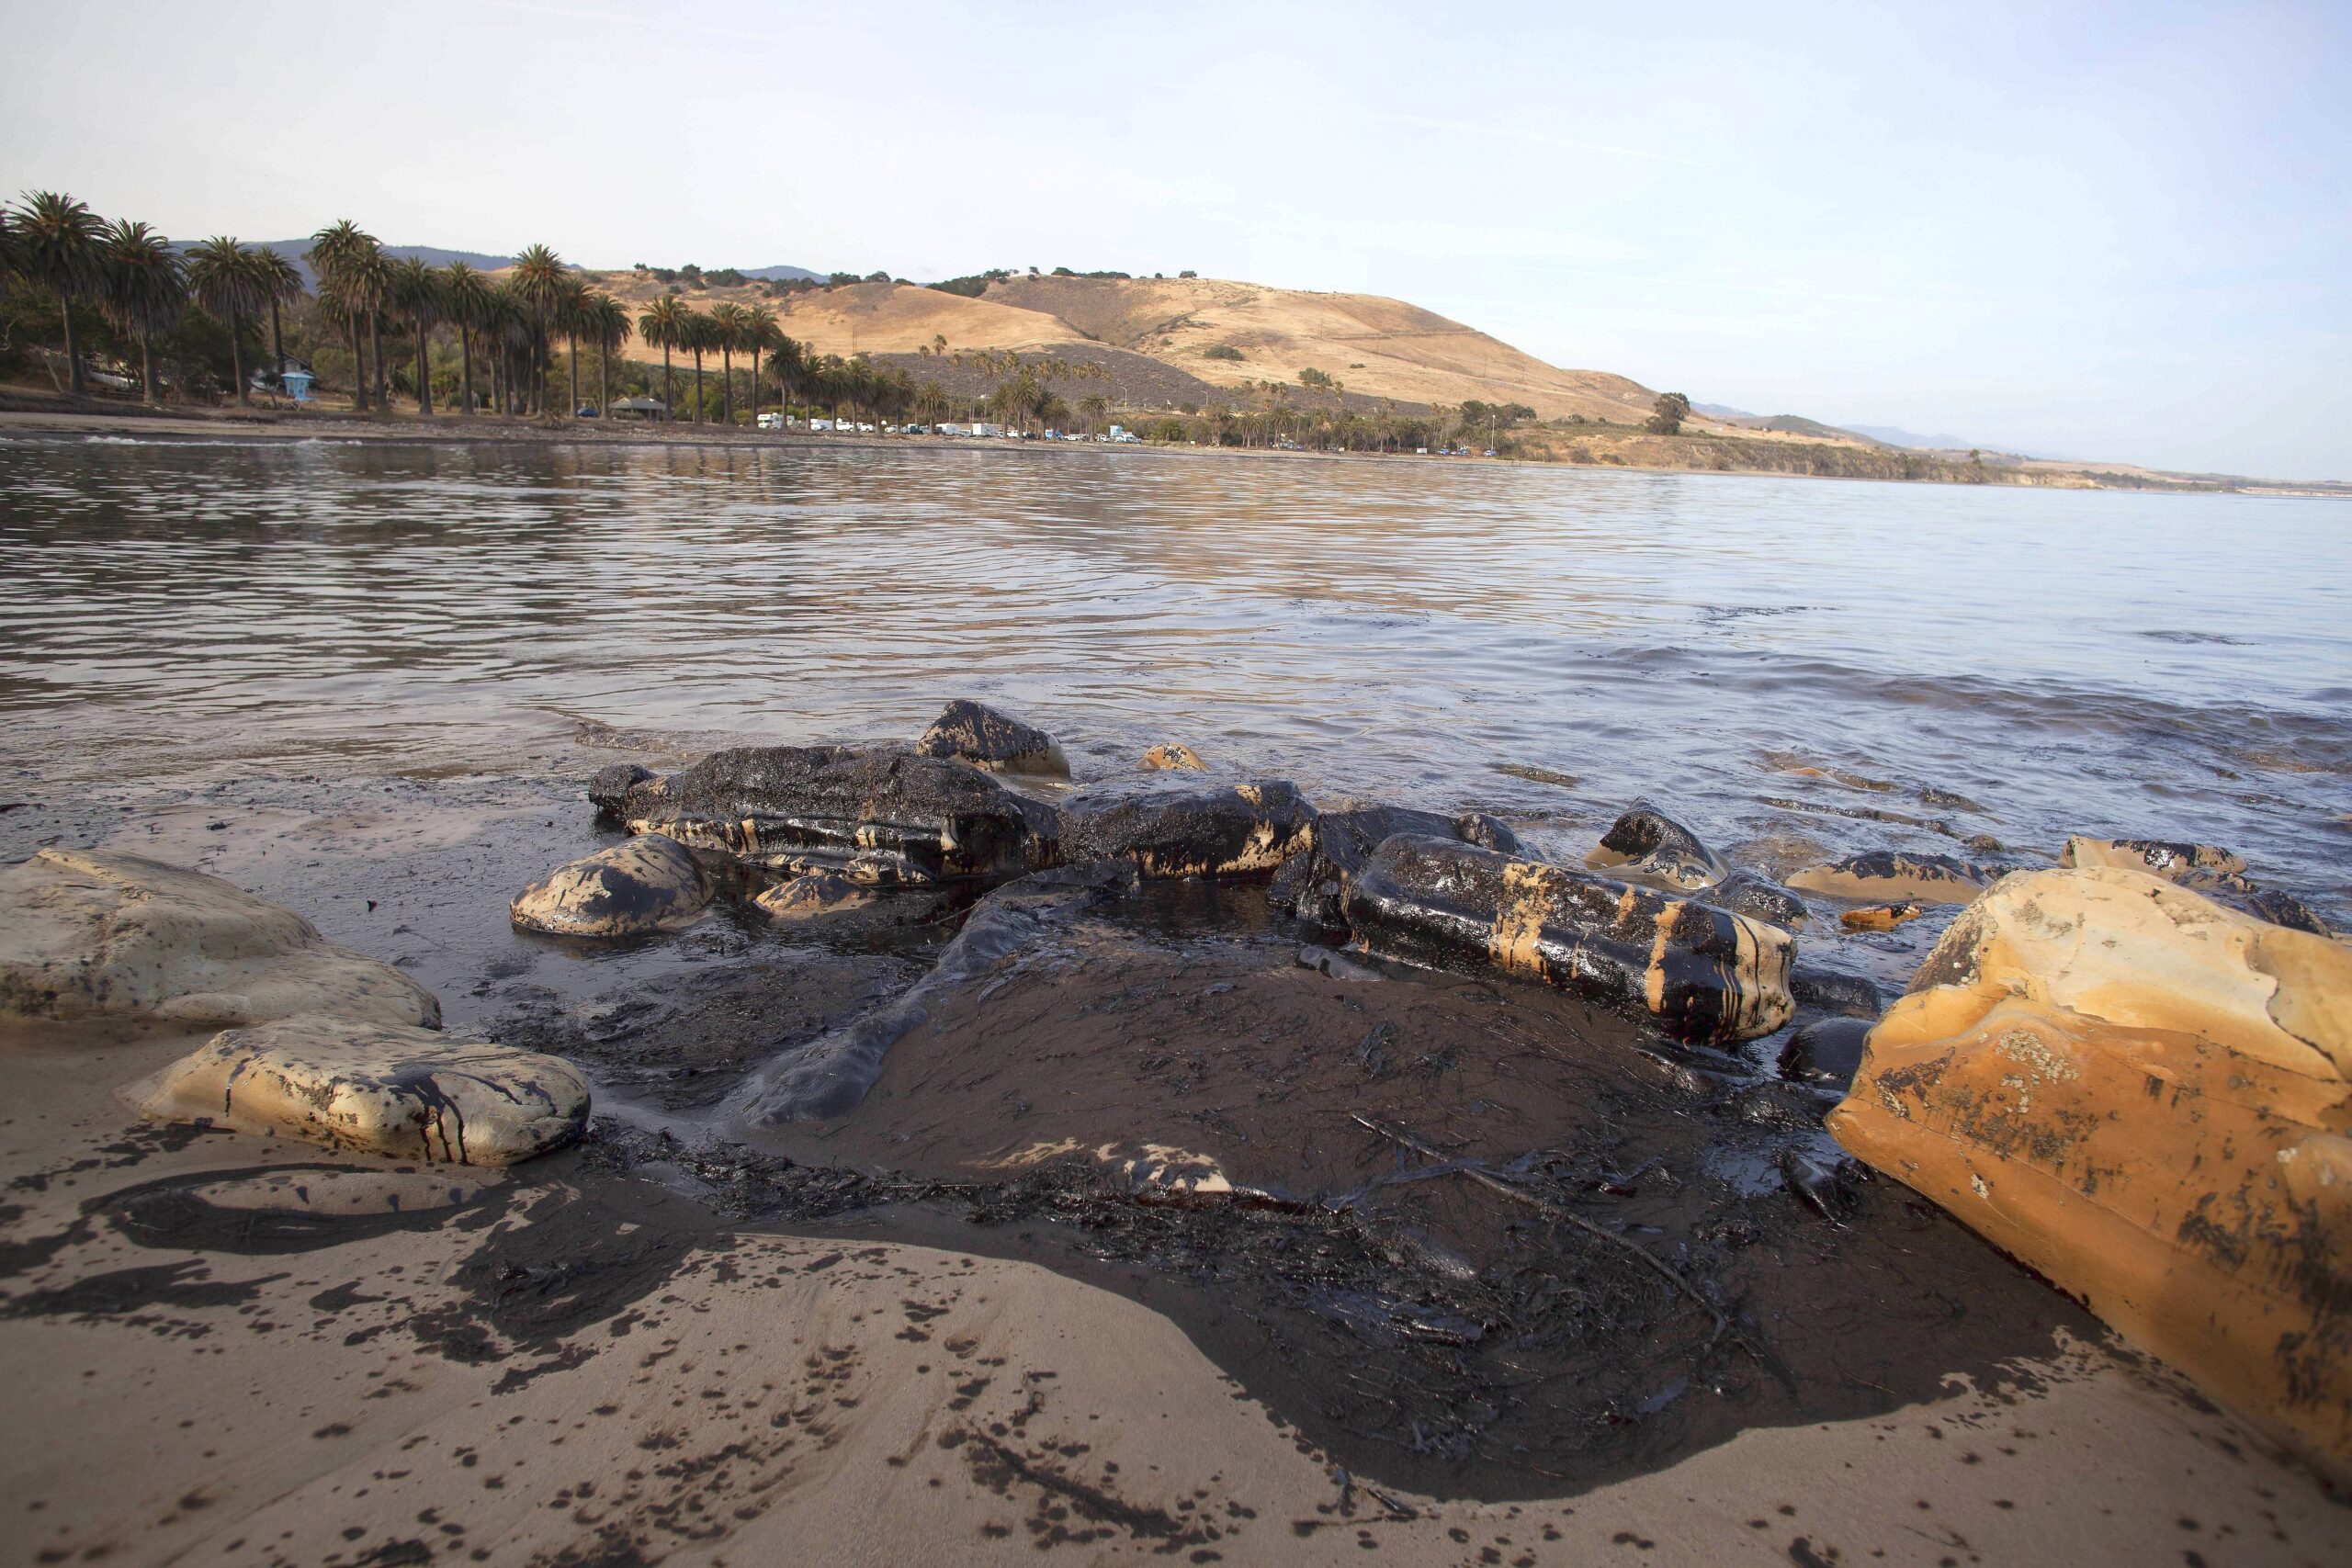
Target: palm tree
539, 277
418, 294
699, 332
281, 284
790, 368
606, 320
339, 254
223, 282
572, 317
517, 342
761, 335
57, 244
726, 331
665, 326
466, 293
145, 291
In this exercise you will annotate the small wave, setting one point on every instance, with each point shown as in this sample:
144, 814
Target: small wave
2214, 637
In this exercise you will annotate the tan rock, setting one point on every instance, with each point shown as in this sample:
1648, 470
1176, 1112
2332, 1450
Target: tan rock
1886, 875
1879, 917
374, 1088
818, 893
1173, 757
649, 884
92, 934
2143, 1096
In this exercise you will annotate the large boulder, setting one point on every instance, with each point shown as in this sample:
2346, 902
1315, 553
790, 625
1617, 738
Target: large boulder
91, 933
2214, 872
1703, 973
1891, 876
1170, 827
976, 733
882, 817
375, 1089
2145, 1096
649, 884
1313, 885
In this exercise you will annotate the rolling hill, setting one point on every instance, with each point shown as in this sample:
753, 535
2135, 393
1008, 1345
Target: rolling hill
1376, 348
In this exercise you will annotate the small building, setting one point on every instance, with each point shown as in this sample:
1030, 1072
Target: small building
640, 407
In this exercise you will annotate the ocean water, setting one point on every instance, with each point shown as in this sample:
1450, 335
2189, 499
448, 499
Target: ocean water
1794, 667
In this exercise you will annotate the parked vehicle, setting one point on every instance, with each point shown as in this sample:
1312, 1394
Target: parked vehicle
821, 424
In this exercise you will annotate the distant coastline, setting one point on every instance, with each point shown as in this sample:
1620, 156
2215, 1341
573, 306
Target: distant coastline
23, 416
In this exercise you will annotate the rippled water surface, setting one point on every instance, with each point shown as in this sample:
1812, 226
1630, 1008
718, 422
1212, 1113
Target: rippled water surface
1996, 661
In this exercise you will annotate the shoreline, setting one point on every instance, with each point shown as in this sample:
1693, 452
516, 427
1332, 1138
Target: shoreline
262, 426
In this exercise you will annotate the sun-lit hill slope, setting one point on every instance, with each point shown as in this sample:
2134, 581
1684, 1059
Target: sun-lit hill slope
869, 318
1375, 348
1375, 345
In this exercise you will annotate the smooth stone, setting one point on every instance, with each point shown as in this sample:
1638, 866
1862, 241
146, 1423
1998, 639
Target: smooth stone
1826, 1051
1172, 828
649, 883
2143, 1096
882, 817
94, 933
1879, 917
1173, 757
1703, 973
1647, 845
1888, 875
1314, 886
1833, 990
397, 1091
1744, 893
818, 893
975, 733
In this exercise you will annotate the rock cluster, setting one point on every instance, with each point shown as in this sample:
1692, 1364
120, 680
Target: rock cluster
325, 1044
2146, 1097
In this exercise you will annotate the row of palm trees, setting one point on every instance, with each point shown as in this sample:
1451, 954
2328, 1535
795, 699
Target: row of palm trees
381, 305
139, 280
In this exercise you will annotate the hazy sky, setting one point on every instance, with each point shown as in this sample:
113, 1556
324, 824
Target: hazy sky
2119, 230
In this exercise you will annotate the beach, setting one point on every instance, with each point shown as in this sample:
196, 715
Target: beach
1121, 1255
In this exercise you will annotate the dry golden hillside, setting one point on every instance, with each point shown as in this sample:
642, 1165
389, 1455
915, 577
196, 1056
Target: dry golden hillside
1382, 347
1376, 348
869, 318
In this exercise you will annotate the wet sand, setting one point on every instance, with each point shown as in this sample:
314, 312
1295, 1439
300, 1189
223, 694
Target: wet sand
916, 1332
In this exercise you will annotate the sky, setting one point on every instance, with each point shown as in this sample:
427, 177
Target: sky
2118, 231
